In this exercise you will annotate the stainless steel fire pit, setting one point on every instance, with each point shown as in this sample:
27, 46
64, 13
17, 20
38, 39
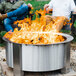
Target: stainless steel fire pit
39, 58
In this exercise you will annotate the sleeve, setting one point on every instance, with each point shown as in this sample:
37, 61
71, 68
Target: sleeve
51, 4
72, 5
17, 4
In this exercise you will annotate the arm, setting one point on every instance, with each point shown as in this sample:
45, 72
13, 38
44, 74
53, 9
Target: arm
17, 12
20, 11
49, 6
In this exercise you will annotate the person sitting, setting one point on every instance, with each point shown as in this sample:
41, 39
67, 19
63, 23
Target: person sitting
18, 14
7, 6
61, 8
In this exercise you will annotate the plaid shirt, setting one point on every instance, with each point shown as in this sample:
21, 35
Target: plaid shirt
12, 1
7, 6
1, 1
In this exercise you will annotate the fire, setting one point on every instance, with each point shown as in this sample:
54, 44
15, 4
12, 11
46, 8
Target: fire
39, 31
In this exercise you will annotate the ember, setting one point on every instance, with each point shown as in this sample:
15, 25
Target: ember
39, 31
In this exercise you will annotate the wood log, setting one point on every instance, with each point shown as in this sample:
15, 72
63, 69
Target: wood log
58, 22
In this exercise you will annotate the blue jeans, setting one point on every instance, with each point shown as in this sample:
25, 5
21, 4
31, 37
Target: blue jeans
15, 15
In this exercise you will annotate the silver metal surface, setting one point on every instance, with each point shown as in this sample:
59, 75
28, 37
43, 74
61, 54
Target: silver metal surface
9, 54
66, 68
40, 58
17, 60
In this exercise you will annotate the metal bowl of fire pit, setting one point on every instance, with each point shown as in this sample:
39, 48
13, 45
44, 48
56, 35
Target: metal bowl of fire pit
41, 58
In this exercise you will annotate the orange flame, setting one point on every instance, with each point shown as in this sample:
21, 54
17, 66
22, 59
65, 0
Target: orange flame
38, 31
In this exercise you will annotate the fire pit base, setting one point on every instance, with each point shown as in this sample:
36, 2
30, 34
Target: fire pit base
57, 73
63, 65
39, 58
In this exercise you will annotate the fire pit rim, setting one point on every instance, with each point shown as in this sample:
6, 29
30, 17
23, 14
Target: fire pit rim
69, 38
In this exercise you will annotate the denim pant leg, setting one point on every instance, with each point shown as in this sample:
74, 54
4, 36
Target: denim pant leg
18, 12
8, 22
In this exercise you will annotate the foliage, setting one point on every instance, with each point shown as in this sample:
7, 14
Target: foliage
37, 5
65, 31
2, 33
75, 24
1, 40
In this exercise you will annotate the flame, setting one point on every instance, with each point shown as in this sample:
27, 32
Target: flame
38, 31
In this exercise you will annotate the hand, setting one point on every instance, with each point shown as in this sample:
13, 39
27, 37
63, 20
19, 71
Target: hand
46, 6
1, 17
30, 5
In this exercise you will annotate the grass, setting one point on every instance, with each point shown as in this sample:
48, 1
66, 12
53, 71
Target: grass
75, 24
37, 5
65, 31
1, 40
2, 44
2, 33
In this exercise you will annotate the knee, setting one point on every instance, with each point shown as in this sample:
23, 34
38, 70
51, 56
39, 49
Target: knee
7, 24
6, 21
24, 7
